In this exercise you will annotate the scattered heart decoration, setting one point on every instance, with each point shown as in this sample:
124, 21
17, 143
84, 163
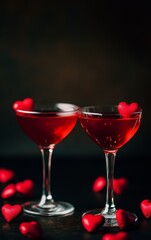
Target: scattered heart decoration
92, 222
124, 219
146, 208
27, 105
119, 185
115, 236
10, 212
8, 191
6, 175
127, 109
31, 229
26, 187
99, 184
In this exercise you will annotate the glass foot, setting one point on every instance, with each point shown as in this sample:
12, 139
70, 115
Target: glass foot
56, 209
110, 220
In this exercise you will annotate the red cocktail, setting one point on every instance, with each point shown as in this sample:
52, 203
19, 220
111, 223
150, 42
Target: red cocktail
47, 127
110, 130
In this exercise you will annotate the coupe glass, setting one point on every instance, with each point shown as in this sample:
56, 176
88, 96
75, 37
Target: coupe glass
47, 126
107, 128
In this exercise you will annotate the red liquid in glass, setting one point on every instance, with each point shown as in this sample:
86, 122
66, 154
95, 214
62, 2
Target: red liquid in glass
46, 129
110, 132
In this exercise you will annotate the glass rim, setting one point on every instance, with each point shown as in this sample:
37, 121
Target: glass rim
49, 109
103, 112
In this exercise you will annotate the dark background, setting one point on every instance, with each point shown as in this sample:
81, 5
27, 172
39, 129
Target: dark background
84, 52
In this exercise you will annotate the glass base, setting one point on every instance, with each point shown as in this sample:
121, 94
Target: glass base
55, 209
110, 220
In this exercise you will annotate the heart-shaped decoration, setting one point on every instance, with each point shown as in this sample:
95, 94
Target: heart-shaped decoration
31, 229
127, 109
124, 219
10, 212
8, 191
26, 187
27, 105
146, 208
119, 185
99, 184
6, 175
92, 222
115, 236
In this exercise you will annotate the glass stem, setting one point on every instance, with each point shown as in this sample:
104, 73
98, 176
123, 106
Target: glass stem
46, 198
109, 209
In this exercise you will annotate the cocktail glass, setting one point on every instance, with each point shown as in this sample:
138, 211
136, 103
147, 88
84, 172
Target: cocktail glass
110, 130
47, 126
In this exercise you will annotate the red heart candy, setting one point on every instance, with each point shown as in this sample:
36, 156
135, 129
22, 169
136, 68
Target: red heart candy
27, 105
8, 191
119, 185
127, 109
124, 219
10, 212
26, 187
146, 208
6, 175
92, 222
99, 184
116, 236
31, 229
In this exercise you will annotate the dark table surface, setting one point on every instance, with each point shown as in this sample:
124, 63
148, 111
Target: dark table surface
72, 179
